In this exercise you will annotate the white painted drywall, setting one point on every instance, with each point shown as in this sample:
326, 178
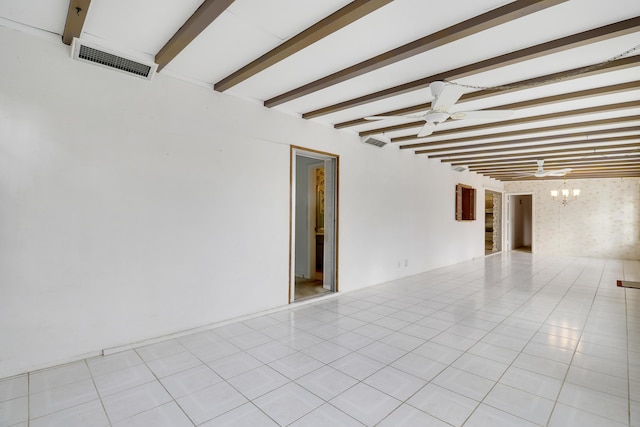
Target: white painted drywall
133, 209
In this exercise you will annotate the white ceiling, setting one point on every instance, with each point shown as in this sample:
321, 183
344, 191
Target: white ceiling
248, 29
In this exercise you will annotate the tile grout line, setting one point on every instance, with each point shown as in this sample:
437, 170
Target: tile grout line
358, 381
82, 361
161, 384
93, 381
465, 351
28, 399
564, 380
225, 380
521, 351
429, 340
626, 322
398, 300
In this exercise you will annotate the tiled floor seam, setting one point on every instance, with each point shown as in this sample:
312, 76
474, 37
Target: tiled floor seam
564, 379
163, 386
397, 304
626, 322
462, 354
28, 399
358, 380
497, 381
225, 380
29, 394
98, 393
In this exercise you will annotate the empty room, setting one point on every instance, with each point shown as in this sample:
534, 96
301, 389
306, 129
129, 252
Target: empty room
319, 213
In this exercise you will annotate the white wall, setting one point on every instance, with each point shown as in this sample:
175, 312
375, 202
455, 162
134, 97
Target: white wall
603, 222
132, 209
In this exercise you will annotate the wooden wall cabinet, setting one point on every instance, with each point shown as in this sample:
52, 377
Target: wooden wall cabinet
465, 203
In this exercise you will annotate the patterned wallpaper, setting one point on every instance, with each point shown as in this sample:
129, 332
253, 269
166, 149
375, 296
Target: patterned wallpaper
603, 222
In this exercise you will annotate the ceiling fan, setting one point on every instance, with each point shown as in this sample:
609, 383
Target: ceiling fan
541, 173
445, 96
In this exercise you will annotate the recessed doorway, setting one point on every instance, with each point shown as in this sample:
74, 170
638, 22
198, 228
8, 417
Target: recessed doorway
520, 229
492, 222
314, 190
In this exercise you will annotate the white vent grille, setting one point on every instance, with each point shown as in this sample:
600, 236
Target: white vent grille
99, 56
377, 141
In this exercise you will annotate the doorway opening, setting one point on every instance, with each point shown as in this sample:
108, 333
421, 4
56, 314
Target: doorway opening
314, 191
520, 230
492, 222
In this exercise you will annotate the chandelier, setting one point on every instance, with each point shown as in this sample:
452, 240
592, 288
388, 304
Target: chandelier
566, 193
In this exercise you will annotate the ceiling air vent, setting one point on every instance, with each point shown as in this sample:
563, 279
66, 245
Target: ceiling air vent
82, 51
378, 141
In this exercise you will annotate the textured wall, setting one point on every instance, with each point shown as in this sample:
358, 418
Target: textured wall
603, 222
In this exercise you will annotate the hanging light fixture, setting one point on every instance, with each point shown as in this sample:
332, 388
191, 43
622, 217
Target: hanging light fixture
566, 193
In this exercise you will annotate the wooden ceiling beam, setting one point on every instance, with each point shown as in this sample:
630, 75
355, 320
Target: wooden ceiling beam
483, 22
208, 12
532, 103
485, 126
329, 25
518, 166
398, 112
574, 173
565, 43
571, 96
583, 169
619, 64
577, 172
585, 137
569, 177
579, 152
525, 132
635, 137
539, 154
635, 168
630, 159
391, 128
540, 102
496, 127
76, 15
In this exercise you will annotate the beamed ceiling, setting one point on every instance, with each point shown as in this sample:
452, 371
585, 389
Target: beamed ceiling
569, 70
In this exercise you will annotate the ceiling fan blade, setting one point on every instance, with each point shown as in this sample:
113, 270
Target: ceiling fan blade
482, 115
426, 130
448, 96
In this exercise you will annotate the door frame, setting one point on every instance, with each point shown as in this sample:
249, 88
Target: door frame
320, 155
509, 219
502, 219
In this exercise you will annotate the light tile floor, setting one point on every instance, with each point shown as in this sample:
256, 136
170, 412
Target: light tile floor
509, 340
